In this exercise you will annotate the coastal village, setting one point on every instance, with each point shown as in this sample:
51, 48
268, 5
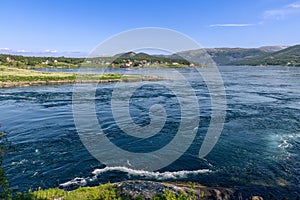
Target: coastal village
127, 60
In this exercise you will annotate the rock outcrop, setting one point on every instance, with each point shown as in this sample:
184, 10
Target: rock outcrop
147, 189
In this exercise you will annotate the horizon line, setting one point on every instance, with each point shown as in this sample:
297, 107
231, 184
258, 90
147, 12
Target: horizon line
56, 53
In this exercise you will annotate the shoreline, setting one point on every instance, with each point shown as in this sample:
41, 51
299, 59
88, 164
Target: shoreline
63, 82
15, 77
142, 190
148, 189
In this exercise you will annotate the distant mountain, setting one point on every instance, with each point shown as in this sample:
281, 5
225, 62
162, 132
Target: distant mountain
137, 57
267, 55
293, 51
288, 57
272, 48
133, 55
225, 56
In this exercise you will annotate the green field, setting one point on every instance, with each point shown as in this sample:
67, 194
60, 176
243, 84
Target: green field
11, 76
101, 192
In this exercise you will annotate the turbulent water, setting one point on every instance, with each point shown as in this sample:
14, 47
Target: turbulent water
257, 153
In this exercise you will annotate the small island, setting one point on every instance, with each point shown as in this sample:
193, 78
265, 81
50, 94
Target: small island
15, 77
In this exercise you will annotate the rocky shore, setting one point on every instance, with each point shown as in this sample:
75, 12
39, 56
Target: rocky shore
148, 189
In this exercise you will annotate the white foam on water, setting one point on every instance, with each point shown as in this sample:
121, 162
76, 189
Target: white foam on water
6, 95
76, 181
146, 174
294, 135
35, 173
21, 162
285, 144
286, 140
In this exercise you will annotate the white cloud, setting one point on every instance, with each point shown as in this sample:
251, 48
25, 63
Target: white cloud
294, 5
49, 51
231, 25
283, 12
23, 51
4, 49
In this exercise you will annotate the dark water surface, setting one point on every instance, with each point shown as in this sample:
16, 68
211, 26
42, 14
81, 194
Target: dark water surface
258, 152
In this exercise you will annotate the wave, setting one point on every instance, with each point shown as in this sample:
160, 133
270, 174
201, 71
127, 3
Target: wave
21, 162
142, 173
75, 182
148, 174
285, 144
287, 140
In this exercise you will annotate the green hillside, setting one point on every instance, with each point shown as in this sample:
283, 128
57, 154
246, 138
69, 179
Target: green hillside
269, 55
226, 56
138, 58
286, 57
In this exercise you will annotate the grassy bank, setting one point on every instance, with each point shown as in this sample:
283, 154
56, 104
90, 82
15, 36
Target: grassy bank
12, 77
11, 74
102, 192
105, 191
137, 190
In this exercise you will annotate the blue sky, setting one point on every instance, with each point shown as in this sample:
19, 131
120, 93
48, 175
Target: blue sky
70, 27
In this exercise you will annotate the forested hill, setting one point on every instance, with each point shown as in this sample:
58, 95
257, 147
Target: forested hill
226, 56
129, 59
36, 61
286, 57
269, 55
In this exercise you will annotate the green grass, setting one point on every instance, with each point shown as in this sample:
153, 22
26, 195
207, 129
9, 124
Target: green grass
105, 192
10, 74
101, 192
